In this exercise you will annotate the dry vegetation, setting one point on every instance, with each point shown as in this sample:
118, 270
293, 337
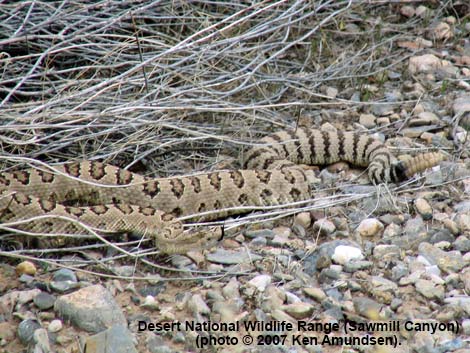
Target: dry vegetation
152, 82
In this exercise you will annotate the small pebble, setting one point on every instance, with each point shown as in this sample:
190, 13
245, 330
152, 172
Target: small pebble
260, 282
26, 330
316, 293
303, 219
424, 209
324, 226
343, 254
64, 274
298, 310
44, 300
429, 289
150, 303
197, 305
55, 326
367, 120
370, 227
26, 267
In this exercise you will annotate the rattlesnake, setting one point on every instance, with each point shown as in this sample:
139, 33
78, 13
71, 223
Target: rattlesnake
124, 201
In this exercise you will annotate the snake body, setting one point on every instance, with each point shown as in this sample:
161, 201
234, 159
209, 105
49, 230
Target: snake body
116, 200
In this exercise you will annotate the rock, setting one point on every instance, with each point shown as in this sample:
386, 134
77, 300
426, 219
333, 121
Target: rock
392, 230
44, 300
156, 344
461, 105
407, 11
367, 120
273, 298
26, 296
304, 219
382, 109
343, 254
150, 303
281, 237
463, 222
230, 257
324, 226
399, 271
55, 326
26, 267
26, 330
231, 289
466, 327
152, 289
260, 282
259, 242
463, 206
462, 244
280, 315
197, 305
357, 265
180, 261
41, 341
383, 121
116, 339
447, 261
333, 272
370, 227
386, 252
264, 233
316, 293
7, 333
424, 63
415, 233
92, 309
423, 208
424, 118
367, 307
451, 226
64, 274
63, 280
382, 284
298, 311
429, 289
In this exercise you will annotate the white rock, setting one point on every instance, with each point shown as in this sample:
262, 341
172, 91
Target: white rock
55, 326
150, 303
260, 282
344, 253
424, 63
369, 227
